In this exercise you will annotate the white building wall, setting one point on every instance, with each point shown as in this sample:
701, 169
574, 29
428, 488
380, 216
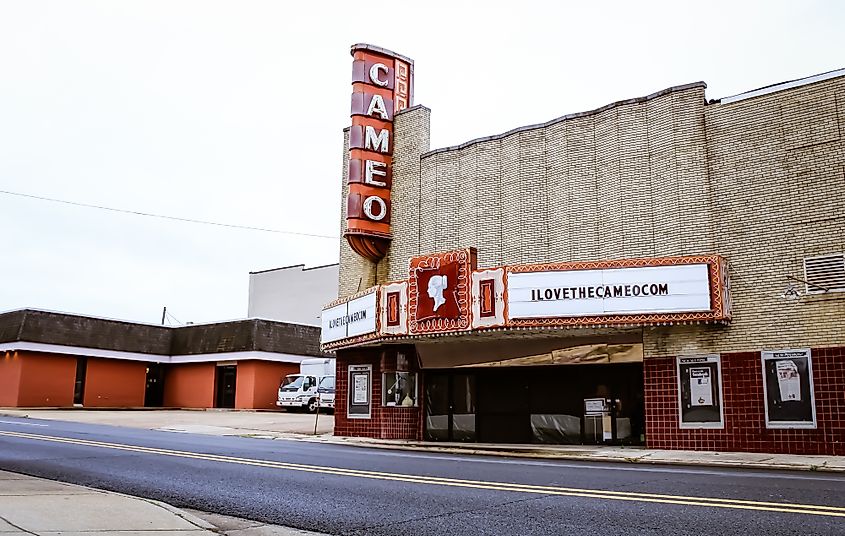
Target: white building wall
292, 294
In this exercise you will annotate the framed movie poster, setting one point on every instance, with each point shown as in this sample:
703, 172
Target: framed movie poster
360, 387
788, 389
700, 392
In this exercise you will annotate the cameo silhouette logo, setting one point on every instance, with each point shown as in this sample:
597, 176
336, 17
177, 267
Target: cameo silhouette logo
440, 299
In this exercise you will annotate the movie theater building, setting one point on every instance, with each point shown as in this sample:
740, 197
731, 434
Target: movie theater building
664, 270
50, 359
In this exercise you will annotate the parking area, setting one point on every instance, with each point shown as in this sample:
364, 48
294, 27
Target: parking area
215, 422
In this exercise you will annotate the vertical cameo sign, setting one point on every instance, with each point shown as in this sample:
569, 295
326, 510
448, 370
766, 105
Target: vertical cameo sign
382, 84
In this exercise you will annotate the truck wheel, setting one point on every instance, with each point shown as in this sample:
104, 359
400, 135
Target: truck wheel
312, 405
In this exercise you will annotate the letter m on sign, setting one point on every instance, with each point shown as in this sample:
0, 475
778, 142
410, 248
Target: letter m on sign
376, 142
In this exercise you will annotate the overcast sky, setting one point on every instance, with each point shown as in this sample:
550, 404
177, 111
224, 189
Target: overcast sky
233, 112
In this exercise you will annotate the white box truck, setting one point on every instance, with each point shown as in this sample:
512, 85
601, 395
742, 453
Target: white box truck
314, 381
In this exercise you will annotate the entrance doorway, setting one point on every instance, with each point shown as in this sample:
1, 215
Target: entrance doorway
450, 407
79, 383
226, 382
154, 390
540, 404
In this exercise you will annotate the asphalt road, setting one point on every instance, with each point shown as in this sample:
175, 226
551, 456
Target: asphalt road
353, 490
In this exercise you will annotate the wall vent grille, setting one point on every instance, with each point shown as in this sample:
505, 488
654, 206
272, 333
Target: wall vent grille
825, 273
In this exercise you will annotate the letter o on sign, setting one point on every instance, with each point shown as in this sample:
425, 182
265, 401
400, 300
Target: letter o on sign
368, 208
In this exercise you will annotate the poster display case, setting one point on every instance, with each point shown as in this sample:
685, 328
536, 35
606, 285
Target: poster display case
700, 392
788, 389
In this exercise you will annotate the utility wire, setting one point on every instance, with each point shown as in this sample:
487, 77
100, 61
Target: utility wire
165, 217
174, 318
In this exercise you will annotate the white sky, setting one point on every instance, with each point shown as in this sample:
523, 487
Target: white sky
233, 112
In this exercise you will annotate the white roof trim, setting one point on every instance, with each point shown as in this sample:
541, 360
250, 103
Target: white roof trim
782, 86
150, 358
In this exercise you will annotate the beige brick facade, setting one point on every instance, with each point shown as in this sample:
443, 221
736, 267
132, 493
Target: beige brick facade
760, 181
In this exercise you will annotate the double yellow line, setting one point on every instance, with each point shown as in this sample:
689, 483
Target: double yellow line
739, 504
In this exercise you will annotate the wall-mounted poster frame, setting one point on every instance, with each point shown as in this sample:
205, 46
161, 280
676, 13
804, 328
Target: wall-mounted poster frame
360, 392
700, 392
788, 391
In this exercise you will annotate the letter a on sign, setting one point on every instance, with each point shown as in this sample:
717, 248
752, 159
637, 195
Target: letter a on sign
377, 106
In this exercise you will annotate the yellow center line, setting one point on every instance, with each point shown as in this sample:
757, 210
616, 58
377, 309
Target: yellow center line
713, 502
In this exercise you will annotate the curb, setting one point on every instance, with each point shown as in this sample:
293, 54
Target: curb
190, 518
642, 459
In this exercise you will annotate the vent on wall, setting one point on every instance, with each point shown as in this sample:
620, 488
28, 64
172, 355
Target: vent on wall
825, 273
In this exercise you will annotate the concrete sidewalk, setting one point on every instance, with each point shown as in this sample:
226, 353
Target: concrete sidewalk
30, 505
297, 426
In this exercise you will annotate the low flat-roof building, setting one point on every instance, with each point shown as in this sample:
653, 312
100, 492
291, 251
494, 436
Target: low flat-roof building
663, 270
60, 360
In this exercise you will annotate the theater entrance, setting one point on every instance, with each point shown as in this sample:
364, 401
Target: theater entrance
567, 404
595, 397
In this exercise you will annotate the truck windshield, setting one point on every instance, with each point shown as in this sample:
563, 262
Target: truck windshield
292, 382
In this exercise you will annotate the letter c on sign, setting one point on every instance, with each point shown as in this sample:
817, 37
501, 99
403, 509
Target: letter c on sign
368, 208
374, 70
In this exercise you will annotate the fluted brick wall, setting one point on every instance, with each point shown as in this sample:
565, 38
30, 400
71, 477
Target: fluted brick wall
583, 188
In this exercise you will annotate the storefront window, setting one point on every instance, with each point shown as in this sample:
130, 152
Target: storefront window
399, 389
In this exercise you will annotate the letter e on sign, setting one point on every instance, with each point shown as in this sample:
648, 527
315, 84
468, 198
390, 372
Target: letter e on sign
370, 170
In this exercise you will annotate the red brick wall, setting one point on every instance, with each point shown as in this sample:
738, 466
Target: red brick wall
745, 421
386, 422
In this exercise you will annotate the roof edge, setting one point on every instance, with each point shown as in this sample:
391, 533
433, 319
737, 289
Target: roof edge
379, 50
635, 100
782, 86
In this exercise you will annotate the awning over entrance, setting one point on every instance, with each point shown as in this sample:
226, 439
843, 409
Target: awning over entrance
619, 347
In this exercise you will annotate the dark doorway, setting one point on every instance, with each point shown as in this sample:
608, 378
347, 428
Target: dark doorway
450, 407
79, 384
537, 404
227, 377
154, 392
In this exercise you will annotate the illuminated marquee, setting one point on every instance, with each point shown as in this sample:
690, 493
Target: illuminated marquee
382, 84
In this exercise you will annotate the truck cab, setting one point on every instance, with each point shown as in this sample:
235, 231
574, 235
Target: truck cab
302, 391
325, 390
298, 391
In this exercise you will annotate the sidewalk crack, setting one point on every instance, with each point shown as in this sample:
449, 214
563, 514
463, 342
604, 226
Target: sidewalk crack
21, 529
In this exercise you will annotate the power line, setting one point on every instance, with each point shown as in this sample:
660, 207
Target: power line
166, 217
173, 317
